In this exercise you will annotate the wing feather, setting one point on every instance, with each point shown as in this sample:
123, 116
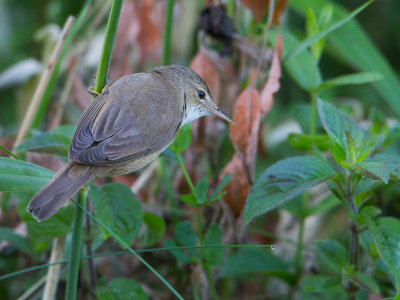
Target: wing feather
137, 115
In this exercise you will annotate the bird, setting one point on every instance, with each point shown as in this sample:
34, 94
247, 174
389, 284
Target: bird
126, 127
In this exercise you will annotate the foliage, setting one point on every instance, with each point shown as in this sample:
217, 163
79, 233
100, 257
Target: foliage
298, 200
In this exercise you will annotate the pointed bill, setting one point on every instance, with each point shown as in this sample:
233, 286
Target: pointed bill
218, 113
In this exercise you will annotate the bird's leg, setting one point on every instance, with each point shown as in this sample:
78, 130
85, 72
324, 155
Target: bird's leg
94, 93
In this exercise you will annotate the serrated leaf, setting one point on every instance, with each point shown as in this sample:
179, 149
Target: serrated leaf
213, 256
335, 122
249, 261
183, 139
21, 176
368, 146
386, 233
333, 254
283, 181
121, 289
155, 229
392, 161
375, 170
351, 79
117, 207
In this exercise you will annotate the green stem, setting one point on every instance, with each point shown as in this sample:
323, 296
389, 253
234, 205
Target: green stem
169, 190
166, 51
44, 102
74, 258
104, 66
313, 118
300, 237
354, 236
185, 174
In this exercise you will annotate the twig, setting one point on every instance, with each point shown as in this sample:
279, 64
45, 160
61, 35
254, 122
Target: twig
53, 272
44, 79
33, 289
144, 177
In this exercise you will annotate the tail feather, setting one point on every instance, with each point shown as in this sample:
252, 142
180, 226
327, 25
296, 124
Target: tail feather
60, 188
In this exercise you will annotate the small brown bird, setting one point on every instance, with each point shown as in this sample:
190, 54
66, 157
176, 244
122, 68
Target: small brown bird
131, 122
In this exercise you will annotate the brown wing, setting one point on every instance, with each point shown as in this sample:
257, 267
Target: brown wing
136, 116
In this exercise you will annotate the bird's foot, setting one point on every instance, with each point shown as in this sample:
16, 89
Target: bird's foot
94, 93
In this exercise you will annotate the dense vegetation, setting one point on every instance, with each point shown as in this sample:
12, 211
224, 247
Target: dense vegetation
298, 200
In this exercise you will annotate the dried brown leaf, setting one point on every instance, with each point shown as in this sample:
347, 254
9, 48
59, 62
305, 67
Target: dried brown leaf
238, 187
244, 135
258, 7
272, 85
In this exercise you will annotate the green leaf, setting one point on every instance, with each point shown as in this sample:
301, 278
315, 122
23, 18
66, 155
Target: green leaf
213, 256
368, 146
216, 195
312, 27
312, 39
185, 236
306, 141
189, 199
386, 233
333, 255
351, 149
18, 175
45, 143
368, 282
302, 68
283, 181
183, 139
155, 229
357, 78
117, 207
55, 226
375, 170
392, 161
335, 122
64, 130
178, 254
324, 206
121, 289
202, 190
344, 43
16, 240
252, 260
322, 287
318, 283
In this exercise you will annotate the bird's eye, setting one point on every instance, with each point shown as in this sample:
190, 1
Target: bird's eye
201, 94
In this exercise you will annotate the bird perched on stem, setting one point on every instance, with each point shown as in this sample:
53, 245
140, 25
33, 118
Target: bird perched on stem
130, 123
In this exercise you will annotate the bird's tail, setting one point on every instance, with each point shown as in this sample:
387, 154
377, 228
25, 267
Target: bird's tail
60, 188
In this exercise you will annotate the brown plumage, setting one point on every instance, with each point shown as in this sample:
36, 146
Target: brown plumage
131, 122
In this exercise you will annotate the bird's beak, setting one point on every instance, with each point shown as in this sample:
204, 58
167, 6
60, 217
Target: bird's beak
218, 113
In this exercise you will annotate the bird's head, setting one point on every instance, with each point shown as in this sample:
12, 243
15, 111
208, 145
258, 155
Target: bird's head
196, 95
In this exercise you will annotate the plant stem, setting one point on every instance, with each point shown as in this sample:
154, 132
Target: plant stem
44, 102
300, 236
74, 258
166, 51
313, 119
102, 72
199, 226
354, 241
